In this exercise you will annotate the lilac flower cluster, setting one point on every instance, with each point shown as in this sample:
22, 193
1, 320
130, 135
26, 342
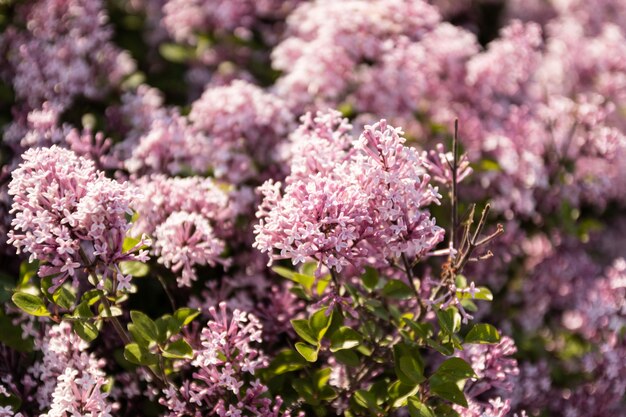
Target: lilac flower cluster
496, 373
221, 367
53, 59
370, 205
328, 42
189, 218
68, 380
184, 240
244, 124
184, 18
69, 216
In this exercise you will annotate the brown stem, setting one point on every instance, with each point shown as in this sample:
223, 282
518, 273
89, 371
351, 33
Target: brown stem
335, 278
455, 161
169, 295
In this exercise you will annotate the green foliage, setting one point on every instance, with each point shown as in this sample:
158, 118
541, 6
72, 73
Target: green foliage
370, 278
139, 355
62, 296
482, 333
344, 338
144, 327
178, 349
447, 382
419, 409
397, 289
134, 268
308, 352
31, 304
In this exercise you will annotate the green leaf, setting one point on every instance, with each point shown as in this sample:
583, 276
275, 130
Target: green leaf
447, 381
308, 268
397, 289
411, 371
322, 283
12, 401
444, 410
489, 165
321, 377
306, 281
304, 330
306, 391
138, 337
179, 349
348, 357
62, 297
83, 311
181, 318
399, 393
419, 409
327, 393
175, 53
376, 307
448, 391
86, 330
162, 324
370, 278
449, 320
134, 268
366, 400
308, 352
408, 364
144, 326
286, 361
455, 369
138, 355
91, 297
482, 333
421, 330
31, 304
446, 349
319, 322
129, 243
344, 338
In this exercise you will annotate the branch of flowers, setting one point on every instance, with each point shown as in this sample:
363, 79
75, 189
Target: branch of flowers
103, 299
107, 308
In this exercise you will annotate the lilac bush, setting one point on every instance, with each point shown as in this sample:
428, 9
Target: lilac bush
312, 207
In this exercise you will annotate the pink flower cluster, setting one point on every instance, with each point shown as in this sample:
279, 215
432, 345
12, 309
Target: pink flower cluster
221, 368
68, 380
189, 219
371, 205
54, 57
184, 240
69, 216
244, 125
329, 42
185, 18
496, 373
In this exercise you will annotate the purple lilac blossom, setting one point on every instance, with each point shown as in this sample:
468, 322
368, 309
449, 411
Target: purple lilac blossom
368, 206
64, 207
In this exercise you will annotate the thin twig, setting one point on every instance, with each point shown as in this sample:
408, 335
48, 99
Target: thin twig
170, 297
455, 157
